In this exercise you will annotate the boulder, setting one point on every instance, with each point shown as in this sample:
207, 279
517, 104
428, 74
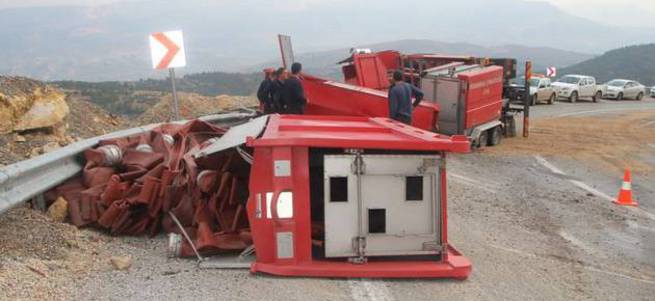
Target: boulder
27, 104
121, 262
47, 111
58, 211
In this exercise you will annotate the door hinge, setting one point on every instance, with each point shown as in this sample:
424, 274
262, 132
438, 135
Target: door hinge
359, 247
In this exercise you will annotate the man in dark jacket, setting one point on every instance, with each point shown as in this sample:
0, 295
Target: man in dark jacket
400, 99
293, 94
264, 92
277, 88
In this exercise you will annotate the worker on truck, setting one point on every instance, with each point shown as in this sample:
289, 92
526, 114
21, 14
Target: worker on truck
400, 98
293, 94
264, 92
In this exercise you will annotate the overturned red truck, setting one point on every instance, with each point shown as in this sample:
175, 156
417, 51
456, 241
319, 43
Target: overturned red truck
463, 95
304, 191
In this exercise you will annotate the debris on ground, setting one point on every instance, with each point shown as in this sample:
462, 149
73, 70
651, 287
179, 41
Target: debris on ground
121, 263
58, 211
143, 184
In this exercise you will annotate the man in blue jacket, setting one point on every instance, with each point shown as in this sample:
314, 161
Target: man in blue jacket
400, 98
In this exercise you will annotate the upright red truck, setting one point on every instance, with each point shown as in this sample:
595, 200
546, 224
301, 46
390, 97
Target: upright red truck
463, 94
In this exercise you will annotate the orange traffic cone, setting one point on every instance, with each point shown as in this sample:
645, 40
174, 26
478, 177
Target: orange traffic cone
625, 194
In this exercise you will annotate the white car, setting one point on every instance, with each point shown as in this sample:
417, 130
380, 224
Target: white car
622, 88
574, 87
541, 90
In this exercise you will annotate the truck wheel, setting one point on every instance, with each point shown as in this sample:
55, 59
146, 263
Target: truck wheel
495, 135
551, 100
640, 96
598, 96
574, 97
620, 96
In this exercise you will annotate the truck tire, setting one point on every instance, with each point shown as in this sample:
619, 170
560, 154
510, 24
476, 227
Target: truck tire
495, 136
598, 96
620, 96
551, 100
640, 96
574, 97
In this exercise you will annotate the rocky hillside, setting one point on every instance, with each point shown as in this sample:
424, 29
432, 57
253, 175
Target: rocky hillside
37, 118
193, 105
133, 98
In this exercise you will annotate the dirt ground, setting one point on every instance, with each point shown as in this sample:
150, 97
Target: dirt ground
43, 259
610, 141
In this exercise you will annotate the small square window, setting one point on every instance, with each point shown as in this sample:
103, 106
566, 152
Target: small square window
377, 221
339, 189
414, 188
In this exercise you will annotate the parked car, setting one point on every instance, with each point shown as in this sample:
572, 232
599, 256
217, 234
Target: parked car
622, 88
541, 90
574, 87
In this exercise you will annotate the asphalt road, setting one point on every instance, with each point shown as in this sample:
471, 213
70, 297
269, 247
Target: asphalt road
531, 232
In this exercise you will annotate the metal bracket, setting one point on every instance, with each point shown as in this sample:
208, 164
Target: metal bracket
359, 246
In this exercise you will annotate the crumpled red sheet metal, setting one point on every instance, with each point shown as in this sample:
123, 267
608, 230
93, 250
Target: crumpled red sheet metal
129, 185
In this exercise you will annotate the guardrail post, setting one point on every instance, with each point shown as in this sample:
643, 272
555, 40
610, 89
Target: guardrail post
38, 202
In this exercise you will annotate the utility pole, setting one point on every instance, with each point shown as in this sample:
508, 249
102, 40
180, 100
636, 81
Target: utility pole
526, 103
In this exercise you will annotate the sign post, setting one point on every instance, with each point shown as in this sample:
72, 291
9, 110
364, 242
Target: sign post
176, 104
526, 103
167, 51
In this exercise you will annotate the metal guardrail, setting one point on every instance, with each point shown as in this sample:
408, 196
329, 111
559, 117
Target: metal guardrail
24, 180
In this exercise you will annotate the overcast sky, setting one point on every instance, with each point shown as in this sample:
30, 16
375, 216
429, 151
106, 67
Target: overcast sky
618, 12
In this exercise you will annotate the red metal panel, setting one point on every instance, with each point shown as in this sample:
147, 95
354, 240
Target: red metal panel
390, 59
371, 72
455, 266
333, 98
483, 95
353, 132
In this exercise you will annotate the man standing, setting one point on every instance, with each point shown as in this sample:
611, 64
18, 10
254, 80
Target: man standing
400, 98
277, 88
293, 94
264, 92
